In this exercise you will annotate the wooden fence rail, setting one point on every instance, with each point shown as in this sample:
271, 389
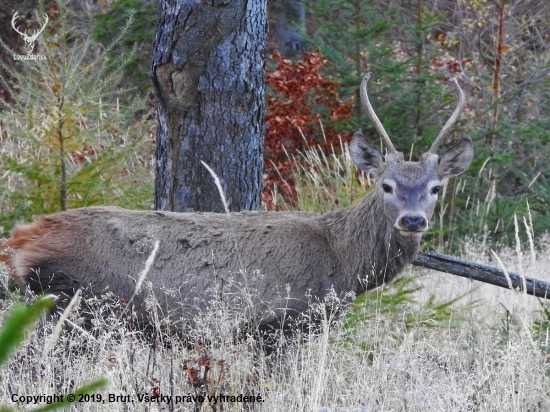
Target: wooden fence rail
482, 273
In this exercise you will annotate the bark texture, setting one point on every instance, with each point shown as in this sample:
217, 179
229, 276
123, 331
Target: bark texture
208, 72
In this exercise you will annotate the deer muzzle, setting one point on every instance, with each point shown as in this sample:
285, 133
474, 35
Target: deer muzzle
411, 225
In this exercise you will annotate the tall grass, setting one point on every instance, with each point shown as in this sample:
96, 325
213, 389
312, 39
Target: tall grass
427, 342
383, 362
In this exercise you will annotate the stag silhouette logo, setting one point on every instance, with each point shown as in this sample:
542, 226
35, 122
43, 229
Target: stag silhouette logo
29, 40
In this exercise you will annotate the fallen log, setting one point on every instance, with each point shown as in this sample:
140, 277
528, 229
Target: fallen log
482, 273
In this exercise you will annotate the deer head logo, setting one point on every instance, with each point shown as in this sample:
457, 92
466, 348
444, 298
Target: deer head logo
29, 40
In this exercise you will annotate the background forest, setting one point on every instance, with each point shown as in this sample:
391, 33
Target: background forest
96, 110
94, 140
80, 130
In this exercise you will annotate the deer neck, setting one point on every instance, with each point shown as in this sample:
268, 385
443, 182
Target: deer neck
367, 246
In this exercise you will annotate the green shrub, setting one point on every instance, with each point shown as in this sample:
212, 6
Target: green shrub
70, 136
139, 36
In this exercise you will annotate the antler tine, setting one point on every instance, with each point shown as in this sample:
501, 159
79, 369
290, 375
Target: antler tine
372, 116
452, 120
14, 20
35, 35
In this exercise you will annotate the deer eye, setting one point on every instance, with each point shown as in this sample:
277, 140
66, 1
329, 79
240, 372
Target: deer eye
435, 190
387, 188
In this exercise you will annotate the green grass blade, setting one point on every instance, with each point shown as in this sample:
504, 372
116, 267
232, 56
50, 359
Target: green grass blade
80, 391
13, 330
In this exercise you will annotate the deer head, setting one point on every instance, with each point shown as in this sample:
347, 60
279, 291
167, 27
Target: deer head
29, 40
409, 189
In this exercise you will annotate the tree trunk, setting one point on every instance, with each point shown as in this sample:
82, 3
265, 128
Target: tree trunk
208, 72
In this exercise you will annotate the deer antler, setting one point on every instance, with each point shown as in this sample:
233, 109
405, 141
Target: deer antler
13, 20
372, 116
35, 35
26, 37
452, 120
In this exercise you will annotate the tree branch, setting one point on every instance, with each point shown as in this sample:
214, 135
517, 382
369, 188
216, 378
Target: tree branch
481, 272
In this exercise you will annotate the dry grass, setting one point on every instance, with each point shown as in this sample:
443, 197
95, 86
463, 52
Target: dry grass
483, 354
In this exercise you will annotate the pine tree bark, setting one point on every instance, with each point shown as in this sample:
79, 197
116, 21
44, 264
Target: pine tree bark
208, 73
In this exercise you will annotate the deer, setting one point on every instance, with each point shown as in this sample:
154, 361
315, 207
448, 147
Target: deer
285, 258
29, 40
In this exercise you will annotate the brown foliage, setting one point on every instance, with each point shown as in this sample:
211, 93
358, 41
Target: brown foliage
298, 100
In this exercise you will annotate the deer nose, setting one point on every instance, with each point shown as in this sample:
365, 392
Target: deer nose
413, 223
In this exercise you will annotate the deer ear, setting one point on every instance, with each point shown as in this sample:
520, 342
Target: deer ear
366, 156
456, 159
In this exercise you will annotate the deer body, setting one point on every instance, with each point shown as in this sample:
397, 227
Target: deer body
103, 249
280, 258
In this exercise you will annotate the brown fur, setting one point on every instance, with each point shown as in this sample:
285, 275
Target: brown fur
46, 237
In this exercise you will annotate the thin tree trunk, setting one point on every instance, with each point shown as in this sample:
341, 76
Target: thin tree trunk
62, 161
208, 72
499, 47
287, 23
